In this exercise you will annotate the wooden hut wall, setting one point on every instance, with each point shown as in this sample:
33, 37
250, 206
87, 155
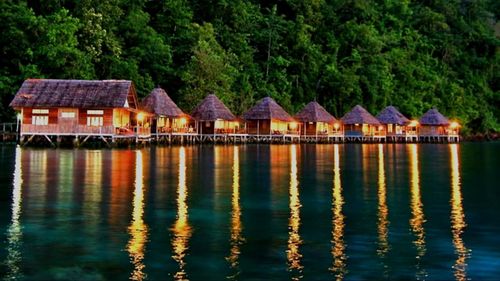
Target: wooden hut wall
262, 127
310, 128
432, 130
27, 115
68, 117
206, 127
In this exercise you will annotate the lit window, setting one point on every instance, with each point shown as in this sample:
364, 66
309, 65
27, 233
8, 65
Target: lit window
40, 111
94, 121
68, 114
95, 112
40, 120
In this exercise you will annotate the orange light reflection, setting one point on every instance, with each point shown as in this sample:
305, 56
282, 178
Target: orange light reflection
138, 230
457, 217
236, 225
383, 211
338, 225
293, 254
418, 219
182, 229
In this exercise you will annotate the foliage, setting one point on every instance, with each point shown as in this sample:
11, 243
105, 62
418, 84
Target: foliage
411, 54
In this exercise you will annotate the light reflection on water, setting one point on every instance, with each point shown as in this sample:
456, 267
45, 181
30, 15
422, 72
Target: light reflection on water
236, 224
338, 245
383, 211
294, 241
112, 203
457, 217
181, 230
14, 232
138, 229
418, 219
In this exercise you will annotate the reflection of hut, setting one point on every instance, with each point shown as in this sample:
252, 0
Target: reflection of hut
433, 123
360, 123
396, 124
268, 118
213, 117
168, 117
317, 121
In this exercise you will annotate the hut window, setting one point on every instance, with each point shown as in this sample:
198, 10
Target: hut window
389, 128
68, 114
40, 111
207, 124
40, 120
95, 112
94, 121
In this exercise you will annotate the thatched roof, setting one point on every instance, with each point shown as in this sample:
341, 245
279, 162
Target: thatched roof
391, 115
267, 109
75, 93
359, 115
211, 109
159, 103
314, 112
433, 117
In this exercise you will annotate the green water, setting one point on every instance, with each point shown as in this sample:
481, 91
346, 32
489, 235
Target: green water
255, 212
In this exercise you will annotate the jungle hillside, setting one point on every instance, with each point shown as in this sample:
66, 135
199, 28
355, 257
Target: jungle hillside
411, 54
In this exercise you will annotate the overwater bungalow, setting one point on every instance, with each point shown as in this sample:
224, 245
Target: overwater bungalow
316, 123
267, 119
436, 127
360, 125
397, 126
168, 118
103, 109
213, 118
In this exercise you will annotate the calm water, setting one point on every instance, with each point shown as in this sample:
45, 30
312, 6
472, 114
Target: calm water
252, 212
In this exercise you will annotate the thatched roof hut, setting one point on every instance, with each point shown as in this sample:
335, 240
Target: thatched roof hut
434, 118
52, 93
267, 109
212, 109
159, 103
314, 112
391, 115
359, 115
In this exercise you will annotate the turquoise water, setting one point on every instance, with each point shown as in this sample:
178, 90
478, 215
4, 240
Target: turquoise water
314, 212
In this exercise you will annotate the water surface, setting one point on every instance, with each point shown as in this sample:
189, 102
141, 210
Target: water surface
311, 212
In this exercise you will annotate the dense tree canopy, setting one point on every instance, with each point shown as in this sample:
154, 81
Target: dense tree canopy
412, 54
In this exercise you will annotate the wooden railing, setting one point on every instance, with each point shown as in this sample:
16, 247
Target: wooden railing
70, 129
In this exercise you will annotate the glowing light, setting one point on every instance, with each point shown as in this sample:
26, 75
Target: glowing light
383, 211
138, 229
294, 241
457, 217
336, 126
236, 225
380, 128
413, 123
182, 229
183, 121
19, 116
338, 245
14, 232
140, 117
417, 221
293, 125
454, 125
356, 124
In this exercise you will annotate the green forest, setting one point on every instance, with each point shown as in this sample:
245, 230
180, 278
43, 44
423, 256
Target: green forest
411, 54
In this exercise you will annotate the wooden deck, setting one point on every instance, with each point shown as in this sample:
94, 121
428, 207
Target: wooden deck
109, 135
